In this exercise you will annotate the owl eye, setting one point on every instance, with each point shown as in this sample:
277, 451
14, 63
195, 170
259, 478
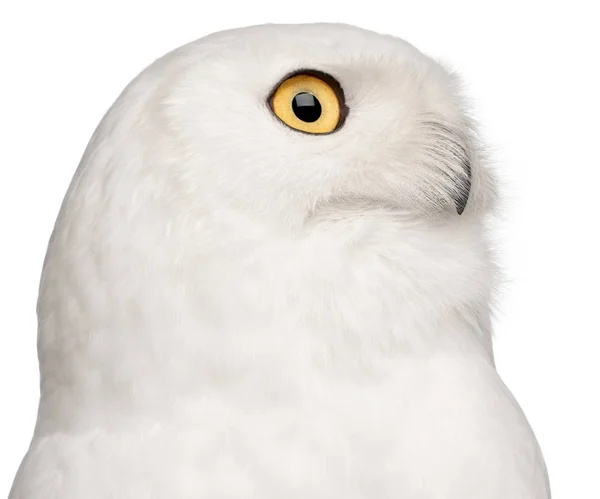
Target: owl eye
309, 101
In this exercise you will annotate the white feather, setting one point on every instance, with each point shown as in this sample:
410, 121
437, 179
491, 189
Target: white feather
231, 309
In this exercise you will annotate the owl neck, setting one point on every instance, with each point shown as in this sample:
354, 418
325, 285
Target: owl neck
128, 322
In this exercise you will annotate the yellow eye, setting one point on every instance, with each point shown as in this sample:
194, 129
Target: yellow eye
311, 102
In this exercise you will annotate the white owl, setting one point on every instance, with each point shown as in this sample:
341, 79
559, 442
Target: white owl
270, 279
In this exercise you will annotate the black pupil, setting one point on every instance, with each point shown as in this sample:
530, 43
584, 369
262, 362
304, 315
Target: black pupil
306, 107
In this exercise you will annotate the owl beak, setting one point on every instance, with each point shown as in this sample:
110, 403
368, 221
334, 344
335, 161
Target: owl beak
464, 189
463, 197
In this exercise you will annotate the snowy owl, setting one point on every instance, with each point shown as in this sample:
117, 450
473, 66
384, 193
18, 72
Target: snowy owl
270, 278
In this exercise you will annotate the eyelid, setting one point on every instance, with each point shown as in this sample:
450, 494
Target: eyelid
327, 78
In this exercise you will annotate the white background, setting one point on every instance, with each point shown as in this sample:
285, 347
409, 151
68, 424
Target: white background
532, 70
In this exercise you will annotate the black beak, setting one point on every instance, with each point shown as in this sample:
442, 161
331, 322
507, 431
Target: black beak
464, 189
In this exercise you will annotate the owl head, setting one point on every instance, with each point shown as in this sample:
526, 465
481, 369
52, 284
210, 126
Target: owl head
322, 174
280, 121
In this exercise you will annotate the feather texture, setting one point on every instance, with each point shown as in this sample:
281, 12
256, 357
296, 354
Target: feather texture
231, 309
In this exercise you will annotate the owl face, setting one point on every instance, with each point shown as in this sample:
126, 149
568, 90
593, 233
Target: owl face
281, 121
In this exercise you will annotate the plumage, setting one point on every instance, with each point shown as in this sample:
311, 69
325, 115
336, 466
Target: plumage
230, 308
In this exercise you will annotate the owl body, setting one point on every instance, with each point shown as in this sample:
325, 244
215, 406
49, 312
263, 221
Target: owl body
233, 308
